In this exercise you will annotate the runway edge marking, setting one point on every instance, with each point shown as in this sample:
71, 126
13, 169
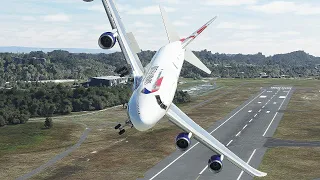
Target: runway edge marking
210, 133
247, 162
275, 115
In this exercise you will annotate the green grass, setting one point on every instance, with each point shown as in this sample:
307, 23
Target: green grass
32, 137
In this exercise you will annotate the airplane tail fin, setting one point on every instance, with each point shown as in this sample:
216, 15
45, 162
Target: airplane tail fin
173, 36
171, 33
188, 40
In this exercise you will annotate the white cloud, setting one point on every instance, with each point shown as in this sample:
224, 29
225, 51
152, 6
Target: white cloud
180, 23
281, 7
148, 10
28, 18
229, 2
57, 18
241, 26
140, 24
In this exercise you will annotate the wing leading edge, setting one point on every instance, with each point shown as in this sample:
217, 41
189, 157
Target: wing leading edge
124, 42
180, 119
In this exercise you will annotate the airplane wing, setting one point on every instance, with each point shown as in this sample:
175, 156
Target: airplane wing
123, 40
180, 119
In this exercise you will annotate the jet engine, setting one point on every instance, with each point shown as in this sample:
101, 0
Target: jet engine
183, 141
215, 163
107, 40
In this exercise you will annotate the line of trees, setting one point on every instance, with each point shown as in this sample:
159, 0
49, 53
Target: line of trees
17, 105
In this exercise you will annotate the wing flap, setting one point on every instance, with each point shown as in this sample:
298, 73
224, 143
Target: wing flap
183, 121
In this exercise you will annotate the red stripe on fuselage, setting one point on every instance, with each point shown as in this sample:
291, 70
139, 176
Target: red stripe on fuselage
201, 29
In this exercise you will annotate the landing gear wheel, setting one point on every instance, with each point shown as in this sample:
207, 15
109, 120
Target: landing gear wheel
117, 126
122, 131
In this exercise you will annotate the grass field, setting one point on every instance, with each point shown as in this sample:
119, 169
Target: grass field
106, 155
26, 146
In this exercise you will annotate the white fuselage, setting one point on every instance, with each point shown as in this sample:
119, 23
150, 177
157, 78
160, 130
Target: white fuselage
152, 98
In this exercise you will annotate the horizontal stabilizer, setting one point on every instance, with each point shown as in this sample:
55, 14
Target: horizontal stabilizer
192, 59
133, 43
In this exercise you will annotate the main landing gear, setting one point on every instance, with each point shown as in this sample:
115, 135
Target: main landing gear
121, 127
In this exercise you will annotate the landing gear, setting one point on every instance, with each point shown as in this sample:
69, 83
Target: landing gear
117, 126
122, 127
122, 131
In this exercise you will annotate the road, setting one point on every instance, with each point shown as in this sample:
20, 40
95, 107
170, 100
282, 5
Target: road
244, 131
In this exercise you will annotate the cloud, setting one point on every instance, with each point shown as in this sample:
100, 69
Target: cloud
281, 7
150, 10
28, 18
229, 2
180, 23
140, 24
232, 25
56, 18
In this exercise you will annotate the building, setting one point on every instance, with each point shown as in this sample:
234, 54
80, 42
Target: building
106, 81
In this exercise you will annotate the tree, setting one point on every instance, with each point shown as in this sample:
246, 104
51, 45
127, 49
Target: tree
48, 123
2, 121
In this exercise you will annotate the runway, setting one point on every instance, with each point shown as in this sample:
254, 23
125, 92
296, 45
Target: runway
244, 131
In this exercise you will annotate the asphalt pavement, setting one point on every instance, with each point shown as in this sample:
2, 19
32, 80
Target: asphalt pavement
244, 131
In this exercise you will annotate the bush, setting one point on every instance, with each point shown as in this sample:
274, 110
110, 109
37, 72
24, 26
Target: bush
48, 123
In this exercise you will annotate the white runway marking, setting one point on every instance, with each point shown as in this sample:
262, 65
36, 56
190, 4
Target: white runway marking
229, 142
250, 111
259, 102
269, 91
203, 170
210, 133
244, 126
268, 112
263, 106
263, 96
259, 110
274, 102
247, 162
238, 133
250, 120
255, 115
270, 124
274, 117
282, 97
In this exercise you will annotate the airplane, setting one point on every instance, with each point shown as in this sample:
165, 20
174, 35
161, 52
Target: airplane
154, 87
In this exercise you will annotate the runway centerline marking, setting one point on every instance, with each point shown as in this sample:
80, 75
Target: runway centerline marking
210, 133
244, 126
259, 110
255, 115
247, 162
238, 133
250, 120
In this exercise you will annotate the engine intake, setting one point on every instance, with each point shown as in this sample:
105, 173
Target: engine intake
183, 141
107, 40
215, 163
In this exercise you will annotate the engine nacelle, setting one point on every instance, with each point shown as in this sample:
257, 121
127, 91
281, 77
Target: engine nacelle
215, 163
107, 40
183, 141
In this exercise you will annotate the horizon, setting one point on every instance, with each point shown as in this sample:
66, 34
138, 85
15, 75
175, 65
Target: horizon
95, 51
243, 26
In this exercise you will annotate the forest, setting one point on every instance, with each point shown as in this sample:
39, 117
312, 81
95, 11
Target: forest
17, 105
59, 64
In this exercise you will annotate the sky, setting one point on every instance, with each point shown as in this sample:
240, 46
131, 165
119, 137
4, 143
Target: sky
242, 26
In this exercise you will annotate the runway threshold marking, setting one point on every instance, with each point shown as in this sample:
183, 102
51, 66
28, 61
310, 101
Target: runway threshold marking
210, 133
254, 151
275, 115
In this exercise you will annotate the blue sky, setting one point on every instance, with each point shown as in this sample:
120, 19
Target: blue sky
243, 26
